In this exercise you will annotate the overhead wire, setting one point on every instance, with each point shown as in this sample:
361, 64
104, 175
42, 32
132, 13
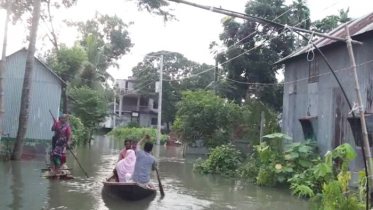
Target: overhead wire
245, 52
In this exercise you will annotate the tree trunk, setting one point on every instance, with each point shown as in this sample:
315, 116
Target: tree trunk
3, 67
27, 85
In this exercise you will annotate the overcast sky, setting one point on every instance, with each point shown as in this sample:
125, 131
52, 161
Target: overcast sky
191, 35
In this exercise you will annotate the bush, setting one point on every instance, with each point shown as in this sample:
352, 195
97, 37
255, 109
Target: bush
202, 115
223, 160
123, 133
79, 132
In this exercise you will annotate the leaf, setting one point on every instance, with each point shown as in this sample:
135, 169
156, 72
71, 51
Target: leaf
321, 170
290, 170
305, 163
304, 149
277, 136
329, 158
281, 179
294, 155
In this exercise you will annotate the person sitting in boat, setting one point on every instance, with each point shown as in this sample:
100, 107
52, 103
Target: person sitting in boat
63, 138
127, 146
125, 167
145, 163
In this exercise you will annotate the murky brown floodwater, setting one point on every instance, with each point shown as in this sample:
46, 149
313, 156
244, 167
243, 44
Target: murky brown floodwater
21, 186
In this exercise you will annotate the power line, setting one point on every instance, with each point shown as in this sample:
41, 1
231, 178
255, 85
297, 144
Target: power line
253, 47
282, 83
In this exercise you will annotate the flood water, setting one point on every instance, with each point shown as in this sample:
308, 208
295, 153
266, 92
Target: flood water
22, 187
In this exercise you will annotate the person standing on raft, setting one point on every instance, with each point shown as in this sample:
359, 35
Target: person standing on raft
62, 139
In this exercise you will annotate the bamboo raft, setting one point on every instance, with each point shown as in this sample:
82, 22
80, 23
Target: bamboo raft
64, 173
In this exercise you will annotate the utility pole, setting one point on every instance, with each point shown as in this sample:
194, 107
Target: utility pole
160, 101
262, 121
115, 103
361, 109
216, 73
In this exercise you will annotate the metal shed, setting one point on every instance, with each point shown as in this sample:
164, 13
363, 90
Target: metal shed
45, 96
313, 104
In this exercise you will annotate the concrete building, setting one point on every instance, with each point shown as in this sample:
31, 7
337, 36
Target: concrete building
45, 96
313, 104
133, 106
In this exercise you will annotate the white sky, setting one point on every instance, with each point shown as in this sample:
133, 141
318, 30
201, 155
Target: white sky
191, 35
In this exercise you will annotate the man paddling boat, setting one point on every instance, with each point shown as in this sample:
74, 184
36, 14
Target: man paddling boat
145, 163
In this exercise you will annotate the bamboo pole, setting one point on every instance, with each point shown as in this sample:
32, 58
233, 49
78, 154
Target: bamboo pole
261, 20
361, 109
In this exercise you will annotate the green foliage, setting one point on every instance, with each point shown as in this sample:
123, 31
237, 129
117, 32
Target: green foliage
156, 7
90, 106
80, 133
224, 160
111, 34
331, 22
67, 62
203, 115
133, 124
256, 64
175, 66
135, 133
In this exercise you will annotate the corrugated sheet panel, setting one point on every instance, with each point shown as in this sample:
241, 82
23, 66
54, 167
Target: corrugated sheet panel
332, 108
46, 95
356, 27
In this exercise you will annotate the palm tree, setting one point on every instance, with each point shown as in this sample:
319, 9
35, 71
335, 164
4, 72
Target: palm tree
3, 66
95, 69
301, 16
26, 90
343, 15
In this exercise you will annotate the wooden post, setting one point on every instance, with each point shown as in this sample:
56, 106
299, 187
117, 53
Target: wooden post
361, 110
262, 121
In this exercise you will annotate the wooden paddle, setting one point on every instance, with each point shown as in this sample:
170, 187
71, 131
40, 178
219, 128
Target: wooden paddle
159, 183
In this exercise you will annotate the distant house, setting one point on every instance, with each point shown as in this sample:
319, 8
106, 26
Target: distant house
45, 96
133, 106
313, 104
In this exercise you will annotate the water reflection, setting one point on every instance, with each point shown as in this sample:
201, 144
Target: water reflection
17, 185
23, 188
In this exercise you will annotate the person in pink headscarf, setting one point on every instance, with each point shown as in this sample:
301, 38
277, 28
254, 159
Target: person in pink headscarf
126, 166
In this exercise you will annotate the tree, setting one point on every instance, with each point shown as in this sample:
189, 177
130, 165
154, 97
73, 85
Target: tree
27, 85
155, 7
3, 66
301, 14
331, 22
176, 67
111, 36
245, 61
202, 115
90, 106
67, 63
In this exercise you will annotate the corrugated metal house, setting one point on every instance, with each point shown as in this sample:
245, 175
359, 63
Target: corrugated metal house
46, 95
313, 104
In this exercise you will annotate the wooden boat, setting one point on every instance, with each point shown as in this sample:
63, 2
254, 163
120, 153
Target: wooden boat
64, 173
127, 191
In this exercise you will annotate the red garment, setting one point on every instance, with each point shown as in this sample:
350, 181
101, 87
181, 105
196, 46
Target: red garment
63, 159
66, 132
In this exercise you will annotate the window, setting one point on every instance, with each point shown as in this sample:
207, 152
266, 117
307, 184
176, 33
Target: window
144, 102
154, 121
155, 104
313, 75
357, 132
308, 131
126, 87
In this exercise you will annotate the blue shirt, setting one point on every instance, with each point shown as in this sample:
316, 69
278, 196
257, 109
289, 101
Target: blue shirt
145, 163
